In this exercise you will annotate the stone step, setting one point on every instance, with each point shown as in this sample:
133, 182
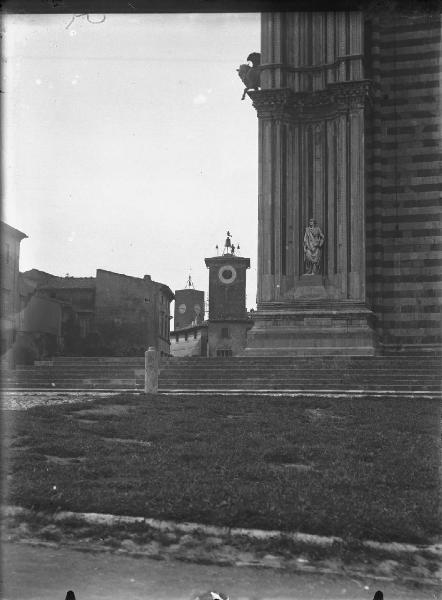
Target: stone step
306, 366
111, 359
388, 381
73, 382
333, 357
92, 370
232, 373
298, 368
319, 377
264, 371
296, 383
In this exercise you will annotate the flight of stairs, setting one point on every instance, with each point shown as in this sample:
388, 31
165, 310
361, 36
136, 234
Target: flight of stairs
79, 373
389, 374
303, 374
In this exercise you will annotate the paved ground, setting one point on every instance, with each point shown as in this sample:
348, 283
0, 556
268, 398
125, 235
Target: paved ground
28, 399
39, 573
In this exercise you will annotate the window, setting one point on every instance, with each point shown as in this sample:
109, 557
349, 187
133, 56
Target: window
225, 332
84, 326
225, 352
6, 300
7, 253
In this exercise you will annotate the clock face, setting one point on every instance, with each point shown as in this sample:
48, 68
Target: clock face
182, 308
197, 309
227, 274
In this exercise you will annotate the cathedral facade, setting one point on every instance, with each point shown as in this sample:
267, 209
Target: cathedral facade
350, 182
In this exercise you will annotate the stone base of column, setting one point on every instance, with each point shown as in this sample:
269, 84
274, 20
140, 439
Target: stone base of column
316, 327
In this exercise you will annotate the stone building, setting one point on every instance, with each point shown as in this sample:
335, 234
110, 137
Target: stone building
109, 314
349, 135
189, 341
10, 297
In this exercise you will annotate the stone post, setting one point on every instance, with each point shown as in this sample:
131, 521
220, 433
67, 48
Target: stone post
151, 370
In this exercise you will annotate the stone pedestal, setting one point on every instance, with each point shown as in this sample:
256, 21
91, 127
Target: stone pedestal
310, 287
313, 327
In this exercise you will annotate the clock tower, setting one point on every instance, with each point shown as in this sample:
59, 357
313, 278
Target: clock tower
228, 319
189, 306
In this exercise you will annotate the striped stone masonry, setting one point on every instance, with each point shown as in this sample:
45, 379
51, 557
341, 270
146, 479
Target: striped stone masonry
404, 182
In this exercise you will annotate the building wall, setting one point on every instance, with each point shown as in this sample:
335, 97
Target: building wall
132, 312
189, 342
39, 334
10, 298
42, 315
404, 180
81, 301
227, 338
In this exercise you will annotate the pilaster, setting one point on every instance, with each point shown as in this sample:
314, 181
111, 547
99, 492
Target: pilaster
311, 112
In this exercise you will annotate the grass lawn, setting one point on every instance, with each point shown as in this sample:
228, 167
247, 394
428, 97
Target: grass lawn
361, 468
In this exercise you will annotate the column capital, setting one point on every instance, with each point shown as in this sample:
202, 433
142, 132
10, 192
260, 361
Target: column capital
274, 103
334, 99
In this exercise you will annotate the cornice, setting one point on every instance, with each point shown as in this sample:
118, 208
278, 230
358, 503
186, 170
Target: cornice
336, 98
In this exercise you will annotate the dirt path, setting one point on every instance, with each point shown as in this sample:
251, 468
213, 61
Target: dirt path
41, 573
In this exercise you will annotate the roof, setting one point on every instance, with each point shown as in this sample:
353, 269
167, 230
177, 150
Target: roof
227, 258
47, 281
70, 283
12, 231
37, 275
166, 289
190, 328
147, 279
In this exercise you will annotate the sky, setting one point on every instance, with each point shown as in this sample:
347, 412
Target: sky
126, 144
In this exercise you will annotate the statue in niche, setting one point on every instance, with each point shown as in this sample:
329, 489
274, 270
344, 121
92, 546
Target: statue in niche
313, 242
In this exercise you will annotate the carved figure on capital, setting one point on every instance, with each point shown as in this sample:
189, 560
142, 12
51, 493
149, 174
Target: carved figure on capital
313, 243
250, 75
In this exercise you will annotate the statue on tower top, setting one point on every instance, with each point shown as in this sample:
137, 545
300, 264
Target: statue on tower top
229, 248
